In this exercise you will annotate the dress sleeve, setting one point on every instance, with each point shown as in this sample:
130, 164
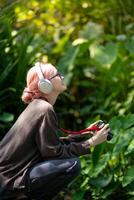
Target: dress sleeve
49, 144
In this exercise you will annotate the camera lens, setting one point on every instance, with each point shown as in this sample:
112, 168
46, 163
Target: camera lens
109, 137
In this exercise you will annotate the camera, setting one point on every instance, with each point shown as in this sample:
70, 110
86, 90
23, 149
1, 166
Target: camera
99, 125
82, 133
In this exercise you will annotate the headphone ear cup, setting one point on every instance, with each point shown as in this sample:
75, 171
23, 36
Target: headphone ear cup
45, 86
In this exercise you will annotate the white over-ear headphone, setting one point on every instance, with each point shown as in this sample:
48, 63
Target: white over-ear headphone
44, 85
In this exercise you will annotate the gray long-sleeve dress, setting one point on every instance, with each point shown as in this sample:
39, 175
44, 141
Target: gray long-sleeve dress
33, 139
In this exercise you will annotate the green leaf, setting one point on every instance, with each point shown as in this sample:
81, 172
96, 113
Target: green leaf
91, 31
104, 55
123, 141
101, 181
130, 46
79, 41
130, 148
128, 177
97, 154
6, 117
67, 61
129, 121
122, 122
7, 71
109, 189
62, 42
101, 165
78, 196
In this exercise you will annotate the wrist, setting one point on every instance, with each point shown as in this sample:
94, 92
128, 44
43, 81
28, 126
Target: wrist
91, 142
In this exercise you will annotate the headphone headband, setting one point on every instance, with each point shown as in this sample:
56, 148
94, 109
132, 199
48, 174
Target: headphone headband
39, 70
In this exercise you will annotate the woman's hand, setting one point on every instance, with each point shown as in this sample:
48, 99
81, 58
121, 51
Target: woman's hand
99, 136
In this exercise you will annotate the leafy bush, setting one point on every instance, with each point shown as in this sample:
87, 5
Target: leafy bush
109, 171
19, 50
93, 45
102, 82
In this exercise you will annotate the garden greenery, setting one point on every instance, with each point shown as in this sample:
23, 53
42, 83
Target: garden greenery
92, 43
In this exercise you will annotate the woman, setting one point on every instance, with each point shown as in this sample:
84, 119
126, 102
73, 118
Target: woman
34, 161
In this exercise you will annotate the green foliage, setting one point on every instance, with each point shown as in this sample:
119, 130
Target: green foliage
92, 43
104, 76
110, 171
19, 50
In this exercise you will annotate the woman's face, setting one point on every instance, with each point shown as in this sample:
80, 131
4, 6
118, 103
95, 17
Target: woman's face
58, 81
